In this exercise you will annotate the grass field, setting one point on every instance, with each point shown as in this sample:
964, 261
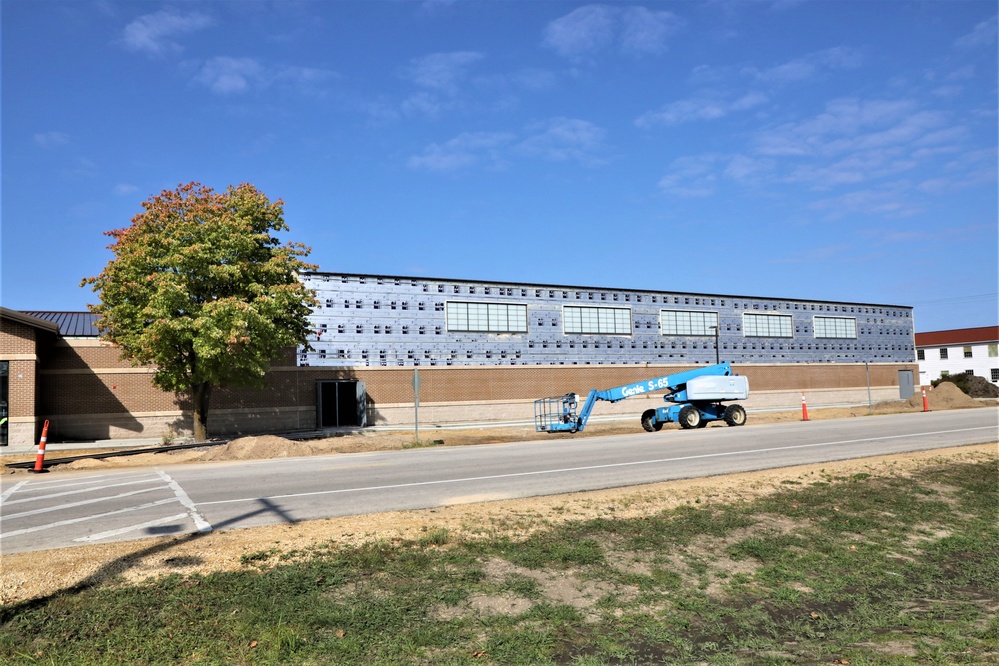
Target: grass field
865, 569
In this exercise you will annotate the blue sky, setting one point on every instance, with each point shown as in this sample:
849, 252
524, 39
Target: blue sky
816, 150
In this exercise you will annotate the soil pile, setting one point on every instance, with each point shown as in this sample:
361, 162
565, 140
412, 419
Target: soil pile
255, 448
945, 396
973, 385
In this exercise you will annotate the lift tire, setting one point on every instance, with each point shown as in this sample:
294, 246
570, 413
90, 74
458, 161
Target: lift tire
735, 415
649, 422
689, 417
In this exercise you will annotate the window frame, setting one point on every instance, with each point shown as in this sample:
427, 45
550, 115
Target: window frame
769, 316
826, 336
508, 328
596, 310
702, 313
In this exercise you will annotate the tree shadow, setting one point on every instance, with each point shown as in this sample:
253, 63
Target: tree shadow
120, 565
92, 393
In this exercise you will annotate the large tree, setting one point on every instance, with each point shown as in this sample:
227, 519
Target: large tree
200, 288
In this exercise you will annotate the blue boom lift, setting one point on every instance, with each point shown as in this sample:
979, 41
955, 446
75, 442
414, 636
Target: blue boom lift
697, 396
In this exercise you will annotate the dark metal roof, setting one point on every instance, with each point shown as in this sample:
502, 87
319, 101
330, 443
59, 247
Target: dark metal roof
71, 324
24, 318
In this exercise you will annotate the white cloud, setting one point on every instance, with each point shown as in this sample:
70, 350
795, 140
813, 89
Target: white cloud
428, 104
581, 31
51, 139
645, 31
844, 121
807, 67
984, 34
532, 79
746, 169
561, 139
720, 100
124, 189
440, 77
692, 176
592, 28
891, 200
556, 139
154, 33
442, 72
465, 150
706, 106
225, 75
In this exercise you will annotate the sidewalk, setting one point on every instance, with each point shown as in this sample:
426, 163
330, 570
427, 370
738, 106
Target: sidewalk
56, 447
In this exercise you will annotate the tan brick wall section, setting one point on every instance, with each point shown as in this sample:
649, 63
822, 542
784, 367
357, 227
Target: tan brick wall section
16, 338
89, 385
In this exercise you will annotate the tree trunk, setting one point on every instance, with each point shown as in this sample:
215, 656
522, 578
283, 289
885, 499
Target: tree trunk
201, 394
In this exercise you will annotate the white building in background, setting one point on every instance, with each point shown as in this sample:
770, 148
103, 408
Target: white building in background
974, 351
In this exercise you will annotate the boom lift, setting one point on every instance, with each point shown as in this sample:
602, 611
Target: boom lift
697, 396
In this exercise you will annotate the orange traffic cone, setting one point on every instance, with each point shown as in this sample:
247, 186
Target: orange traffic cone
804, 408
926, 404
40, 456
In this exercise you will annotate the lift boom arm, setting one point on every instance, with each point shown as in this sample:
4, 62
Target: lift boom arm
675, 384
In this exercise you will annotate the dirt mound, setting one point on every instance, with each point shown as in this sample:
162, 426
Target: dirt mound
945, 396
256, 448
973, 385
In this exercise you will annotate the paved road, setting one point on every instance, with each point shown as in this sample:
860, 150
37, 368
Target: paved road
70, 508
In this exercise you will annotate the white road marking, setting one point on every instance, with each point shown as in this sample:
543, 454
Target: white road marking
72, 521
10, 491
60, 507
591, 467
62, 483
91, 489
192, 510
133, 528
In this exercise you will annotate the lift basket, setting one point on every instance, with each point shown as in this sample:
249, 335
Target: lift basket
555, 412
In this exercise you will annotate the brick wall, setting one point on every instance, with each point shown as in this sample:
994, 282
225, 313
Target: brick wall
18, 346
88, 392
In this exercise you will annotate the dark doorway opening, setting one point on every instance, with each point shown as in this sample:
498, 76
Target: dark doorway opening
340, 403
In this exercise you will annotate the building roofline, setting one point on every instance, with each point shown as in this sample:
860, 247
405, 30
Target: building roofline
956, 336
28, 320
590, 288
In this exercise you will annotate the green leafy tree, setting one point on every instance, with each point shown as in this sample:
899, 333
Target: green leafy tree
200, 288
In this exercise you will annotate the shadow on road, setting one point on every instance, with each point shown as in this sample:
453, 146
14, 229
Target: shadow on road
122, 564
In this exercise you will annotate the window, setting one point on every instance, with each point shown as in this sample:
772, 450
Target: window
835, 327
943, 353
767, 326
486, 317
596, 321
970, 373
967, 352
994, 350
680, 322
920, 355
995, 375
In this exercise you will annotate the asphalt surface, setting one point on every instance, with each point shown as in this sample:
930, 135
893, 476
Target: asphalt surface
64, 509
